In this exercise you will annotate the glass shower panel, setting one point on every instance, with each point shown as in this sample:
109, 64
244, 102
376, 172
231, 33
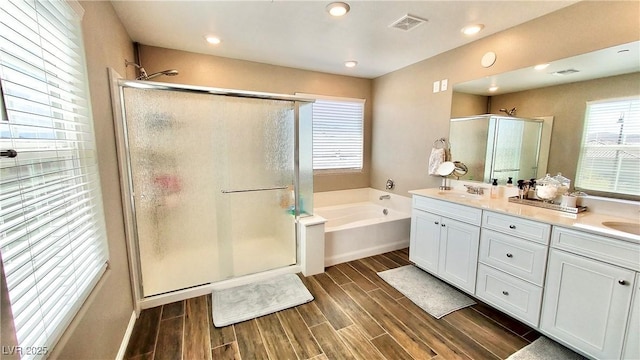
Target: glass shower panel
531, 138
174, 182
507, 149
255, 147
305, 159
468, 139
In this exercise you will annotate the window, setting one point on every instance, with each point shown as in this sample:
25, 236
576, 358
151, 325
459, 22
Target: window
52, 235
338, 132
610, 153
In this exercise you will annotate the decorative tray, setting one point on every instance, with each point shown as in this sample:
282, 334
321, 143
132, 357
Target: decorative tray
547, 205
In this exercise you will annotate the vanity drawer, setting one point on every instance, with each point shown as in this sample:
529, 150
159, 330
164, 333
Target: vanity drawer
514, 296
526, 229
518, 257
613, 251
463, 213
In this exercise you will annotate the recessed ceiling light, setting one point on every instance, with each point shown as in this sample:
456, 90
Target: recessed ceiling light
213, 40
541, 66
350, 63
338, 8
493, 88
472, 29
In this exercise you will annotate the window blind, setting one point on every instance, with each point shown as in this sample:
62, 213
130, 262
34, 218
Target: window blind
610, 153
52, 234
338, 132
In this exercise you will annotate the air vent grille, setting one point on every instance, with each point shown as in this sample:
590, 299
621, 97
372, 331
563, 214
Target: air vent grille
407, 22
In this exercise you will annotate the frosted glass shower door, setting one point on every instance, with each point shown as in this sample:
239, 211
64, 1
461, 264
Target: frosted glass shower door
255, 160
174, 190
212, 181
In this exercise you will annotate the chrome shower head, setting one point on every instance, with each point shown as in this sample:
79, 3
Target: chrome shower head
170, 72
145, 76
511, 112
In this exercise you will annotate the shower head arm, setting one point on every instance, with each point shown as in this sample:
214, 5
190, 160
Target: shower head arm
143, 72
127, 63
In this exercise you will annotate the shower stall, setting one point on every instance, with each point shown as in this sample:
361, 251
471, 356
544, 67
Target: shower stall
213, 182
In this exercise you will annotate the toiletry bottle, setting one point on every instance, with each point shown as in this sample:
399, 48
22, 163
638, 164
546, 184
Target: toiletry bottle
531, 194
510, 182
494, 189
521, 189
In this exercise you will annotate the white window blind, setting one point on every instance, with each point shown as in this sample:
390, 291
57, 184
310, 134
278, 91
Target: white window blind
338, 133
52, 234
610, 152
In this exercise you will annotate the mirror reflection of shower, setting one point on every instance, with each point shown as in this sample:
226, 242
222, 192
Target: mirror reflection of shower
143, 73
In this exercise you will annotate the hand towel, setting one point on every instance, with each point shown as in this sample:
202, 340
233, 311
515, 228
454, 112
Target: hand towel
436, 158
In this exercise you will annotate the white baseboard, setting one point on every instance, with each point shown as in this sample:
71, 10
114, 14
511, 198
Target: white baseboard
363, 253
127, 336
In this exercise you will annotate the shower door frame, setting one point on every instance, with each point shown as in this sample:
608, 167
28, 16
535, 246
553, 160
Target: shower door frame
117, 85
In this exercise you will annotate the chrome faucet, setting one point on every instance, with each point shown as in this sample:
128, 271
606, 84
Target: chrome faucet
385, 197
477, 190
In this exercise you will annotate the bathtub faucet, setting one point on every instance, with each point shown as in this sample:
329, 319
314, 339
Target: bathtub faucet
385, 197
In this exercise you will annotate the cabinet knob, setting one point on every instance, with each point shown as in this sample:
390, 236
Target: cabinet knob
442, 225
512, 227
623, 282
436, 222
505, 293
509, 255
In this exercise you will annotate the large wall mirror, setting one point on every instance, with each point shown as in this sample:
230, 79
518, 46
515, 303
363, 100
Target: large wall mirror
558, 93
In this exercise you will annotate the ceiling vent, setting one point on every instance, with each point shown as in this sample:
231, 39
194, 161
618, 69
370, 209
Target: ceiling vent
407, 22
565, 72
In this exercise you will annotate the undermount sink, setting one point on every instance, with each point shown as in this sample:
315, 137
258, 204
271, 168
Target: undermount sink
628, 227
453, 194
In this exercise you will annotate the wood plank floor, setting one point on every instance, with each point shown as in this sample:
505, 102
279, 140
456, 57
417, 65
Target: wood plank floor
355, 315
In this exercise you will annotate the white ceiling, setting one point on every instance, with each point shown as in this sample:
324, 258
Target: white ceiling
301, 34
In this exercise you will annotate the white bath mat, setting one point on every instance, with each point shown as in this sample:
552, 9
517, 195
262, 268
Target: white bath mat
544, 349
249, 301
431, 294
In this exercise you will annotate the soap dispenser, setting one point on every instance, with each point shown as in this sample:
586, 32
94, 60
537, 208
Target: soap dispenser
510, 182
494, 189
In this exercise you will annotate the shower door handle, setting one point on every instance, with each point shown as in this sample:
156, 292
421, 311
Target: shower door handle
256, 189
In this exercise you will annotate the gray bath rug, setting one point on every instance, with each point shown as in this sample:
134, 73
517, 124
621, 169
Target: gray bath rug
544, 349
431, 294
245, 302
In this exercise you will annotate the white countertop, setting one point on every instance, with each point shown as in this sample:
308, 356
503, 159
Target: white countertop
585, 221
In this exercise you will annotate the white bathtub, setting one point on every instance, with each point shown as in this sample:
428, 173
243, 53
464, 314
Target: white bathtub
356, 225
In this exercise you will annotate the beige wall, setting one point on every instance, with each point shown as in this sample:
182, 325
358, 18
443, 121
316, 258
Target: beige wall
214, 71
97, 331
468, 104
408, 116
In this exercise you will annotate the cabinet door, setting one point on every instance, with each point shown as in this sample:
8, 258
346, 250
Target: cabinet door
458, 260
425, 238
632, 340
586, 303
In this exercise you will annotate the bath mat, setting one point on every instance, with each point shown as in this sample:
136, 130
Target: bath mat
431, 294
543, 349
249, 301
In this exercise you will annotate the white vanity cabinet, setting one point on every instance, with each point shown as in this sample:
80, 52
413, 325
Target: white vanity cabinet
513, 256
443, 246
587, 298
632, 340
580, 288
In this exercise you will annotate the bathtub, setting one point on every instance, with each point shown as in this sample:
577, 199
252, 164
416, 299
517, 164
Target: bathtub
360, 224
